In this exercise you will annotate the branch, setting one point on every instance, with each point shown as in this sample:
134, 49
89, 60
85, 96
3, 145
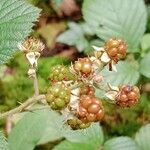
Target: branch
36, 87
23, 106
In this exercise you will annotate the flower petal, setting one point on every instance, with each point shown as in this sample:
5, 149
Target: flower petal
100, 49
105, 58
111, 95
114, 66
115, 88
31, 57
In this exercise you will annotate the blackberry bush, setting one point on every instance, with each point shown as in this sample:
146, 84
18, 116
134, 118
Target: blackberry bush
75, 97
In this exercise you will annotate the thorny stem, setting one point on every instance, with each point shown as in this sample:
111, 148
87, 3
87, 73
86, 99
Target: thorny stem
23, 106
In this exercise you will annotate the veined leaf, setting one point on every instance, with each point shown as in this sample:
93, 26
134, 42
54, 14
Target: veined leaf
74, 36
3, 143
36, 128
126, 74
16, 21
124, 19
121, 143
93, 135
144, 65
142, 137
66, 145
88, 139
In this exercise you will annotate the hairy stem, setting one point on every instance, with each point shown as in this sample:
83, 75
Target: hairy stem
36, 86
23, 106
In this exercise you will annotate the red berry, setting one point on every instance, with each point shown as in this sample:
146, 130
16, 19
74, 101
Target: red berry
82, 112
116, 49
93, 108
86, 102
127, 96
83, 66
113, 52
132, 95
100, 114
90, 109
91, 117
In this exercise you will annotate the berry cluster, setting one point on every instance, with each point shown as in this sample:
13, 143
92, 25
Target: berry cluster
83, 67
73, 90
87, 90
90, 109
76, 124
60, 73
58, 96
127, 96
116, 49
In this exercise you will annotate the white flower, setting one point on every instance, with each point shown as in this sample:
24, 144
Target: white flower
74, 100
112, 93
105, 57
32, 58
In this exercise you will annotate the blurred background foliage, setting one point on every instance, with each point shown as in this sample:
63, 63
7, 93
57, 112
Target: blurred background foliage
67, 36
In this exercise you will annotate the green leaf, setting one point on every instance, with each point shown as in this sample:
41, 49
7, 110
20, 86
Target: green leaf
92, 135
145, 43
87, 139
16, 17
120, 143
86, 28
66, 145
121, 19
126, 74
3, 143
144, 66
74, 37
36, 128
142, 137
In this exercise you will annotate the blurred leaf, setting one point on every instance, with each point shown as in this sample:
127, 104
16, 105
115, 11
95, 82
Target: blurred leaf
34, 2
74, 37
92, 135
87, 29
145, 43
144, 66
126, 74
50, 31
3, 143
142, 137
16, 19
35, 128
122, 19
148, 18
120, 143
95, 42
56, 4
66, 145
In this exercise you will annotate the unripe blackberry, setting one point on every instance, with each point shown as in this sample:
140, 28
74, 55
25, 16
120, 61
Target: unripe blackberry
83, 66
116, 49
127, 96
76, 124
86, 90
58, 96
60, 73
90, 109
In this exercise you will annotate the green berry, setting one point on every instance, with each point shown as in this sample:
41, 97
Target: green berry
60, 102
58, 96
60, 73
